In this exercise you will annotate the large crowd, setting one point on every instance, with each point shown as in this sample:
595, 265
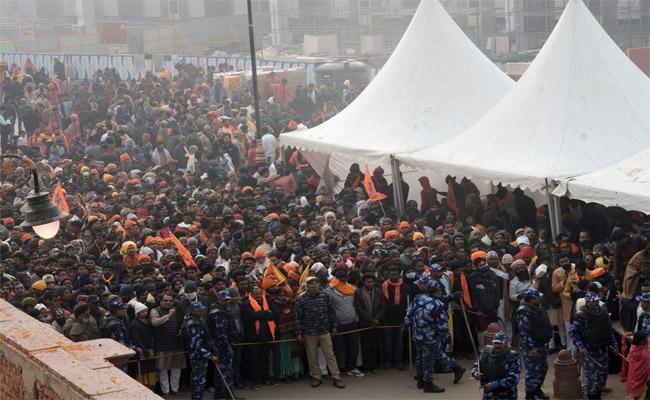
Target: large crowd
228, 269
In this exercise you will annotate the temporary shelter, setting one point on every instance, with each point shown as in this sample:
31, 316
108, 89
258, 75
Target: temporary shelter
435, 84
581, 105
625, 184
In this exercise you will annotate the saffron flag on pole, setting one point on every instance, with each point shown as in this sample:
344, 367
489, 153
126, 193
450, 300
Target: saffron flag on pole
373, 194
182, 251
58, 198
273, 277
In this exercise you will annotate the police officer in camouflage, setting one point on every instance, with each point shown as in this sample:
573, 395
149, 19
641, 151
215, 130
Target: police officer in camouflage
535, 330
425, 316
221, 328
442, 335
591, 332
498, 369
114, 326
200, 347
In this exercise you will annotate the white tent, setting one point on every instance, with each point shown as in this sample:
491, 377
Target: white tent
435, 84
625, 184
580, 106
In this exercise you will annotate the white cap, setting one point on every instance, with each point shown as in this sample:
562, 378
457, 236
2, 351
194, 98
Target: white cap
523, 240
137, 307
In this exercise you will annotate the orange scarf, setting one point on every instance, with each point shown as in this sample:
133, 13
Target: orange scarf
396, 285
344, 288
257, 308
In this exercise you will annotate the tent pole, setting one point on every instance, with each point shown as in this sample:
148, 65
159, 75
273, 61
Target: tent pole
398, 196
554, 212
558, 213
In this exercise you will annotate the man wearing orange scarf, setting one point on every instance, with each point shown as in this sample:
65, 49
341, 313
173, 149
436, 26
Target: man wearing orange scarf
346, 347
258, 316
396, 292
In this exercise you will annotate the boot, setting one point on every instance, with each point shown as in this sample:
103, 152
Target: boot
430, 387
531, 396
458, 372
439, 369
420, 382
541, 395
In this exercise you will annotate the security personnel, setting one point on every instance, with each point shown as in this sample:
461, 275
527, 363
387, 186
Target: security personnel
114, 326
437, 273
498, 369
199, 346
221, 326
421, 315
535, 331
442, 336
591, 332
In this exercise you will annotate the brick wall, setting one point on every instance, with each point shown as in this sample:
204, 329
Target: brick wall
36, 362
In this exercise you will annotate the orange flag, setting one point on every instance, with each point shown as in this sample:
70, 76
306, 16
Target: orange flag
58, 198
373, 194
182, 251
272, 277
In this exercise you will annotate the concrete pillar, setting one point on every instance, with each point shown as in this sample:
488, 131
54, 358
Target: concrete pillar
280, 29
85, 13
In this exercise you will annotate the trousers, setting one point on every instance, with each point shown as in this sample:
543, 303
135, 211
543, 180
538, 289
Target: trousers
594, 375
312, 344
393, 346
220, 388
370, 345
258, 362
536, 369
346, 347
199, 373
170, 379
424, 359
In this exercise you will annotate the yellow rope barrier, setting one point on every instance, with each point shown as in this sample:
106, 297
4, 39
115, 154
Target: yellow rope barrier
271, 342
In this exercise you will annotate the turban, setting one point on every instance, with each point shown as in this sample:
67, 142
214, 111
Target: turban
391, 234
39, 285
478, 254
404, 225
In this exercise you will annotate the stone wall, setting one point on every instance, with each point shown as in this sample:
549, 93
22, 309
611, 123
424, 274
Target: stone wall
36, 362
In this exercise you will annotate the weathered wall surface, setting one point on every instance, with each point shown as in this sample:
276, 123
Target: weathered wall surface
36, 362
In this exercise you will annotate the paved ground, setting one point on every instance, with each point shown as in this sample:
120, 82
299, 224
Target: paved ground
396, 385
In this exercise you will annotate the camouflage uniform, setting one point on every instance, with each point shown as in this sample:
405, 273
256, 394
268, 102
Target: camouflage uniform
593, 331
200, 353
219, 325
505, 386
534, 331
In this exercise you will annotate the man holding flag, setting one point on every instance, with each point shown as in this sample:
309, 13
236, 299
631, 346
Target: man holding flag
369, 185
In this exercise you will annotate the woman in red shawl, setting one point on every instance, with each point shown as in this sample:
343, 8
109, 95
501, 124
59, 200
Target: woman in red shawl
639, 367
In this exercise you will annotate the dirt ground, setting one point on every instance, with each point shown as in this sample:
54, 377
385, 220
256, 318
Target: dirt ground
396, 384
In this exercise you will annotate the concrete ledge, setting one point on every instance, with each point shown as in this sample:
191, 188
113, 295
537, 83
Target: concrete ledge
36, 362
